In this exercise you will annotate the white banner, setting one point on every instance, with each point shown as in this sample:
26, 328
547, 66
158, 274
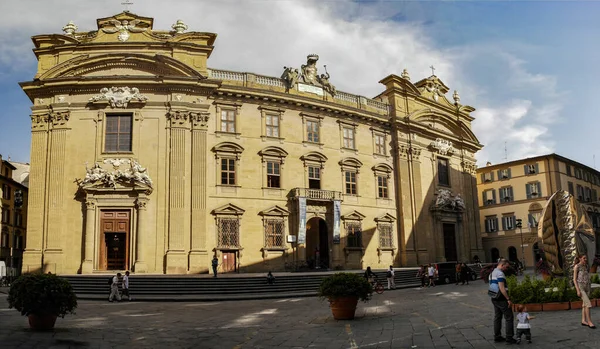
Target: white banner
302, 218
336, 221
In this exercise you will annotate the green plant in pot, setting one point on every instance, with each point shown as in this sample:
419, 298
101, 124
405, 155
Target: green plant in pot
42, 298
343, 290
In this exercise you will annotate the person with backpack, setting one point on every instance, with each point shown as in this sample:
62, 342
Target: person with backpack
125, 285
114, 288
390, 278
215, 264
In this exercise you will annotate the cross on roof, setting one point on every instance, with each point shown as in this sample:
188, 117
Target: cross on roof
432, 70
127, 3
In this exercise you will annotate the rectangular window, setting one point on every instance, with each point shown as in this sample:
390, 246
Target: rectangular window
489, 197
382, 187
5, 215
274, 233
273, 175
348, 137
18, 219
350, 177
532, 169
6, 191
354, 234
588, 194
570, 186
533, 190
508, 222
443, 174
568, 170
504, 174
312, 131
488, 177
118, 133
577, 173
594, 195
380, 144
533, 219
4, 242
229, 232
272, 125
579, 193
314, 177
386, 239
491, 224
228, 121
227, 171
19, 242
506, 194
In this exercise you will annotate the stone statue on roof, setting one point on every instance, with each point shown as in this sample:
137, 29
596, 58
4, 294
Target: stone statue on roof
309, 70
290, 77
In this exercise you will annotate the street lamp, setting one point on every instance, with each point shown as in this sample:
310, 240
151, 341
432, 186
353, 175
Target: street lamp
520, 226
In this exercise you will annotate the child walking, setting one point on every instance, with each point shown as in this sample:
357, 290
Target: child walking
523, 326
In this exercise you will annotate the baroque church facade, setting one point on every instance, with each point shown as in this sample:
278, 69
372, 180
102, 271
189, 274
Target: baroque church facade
145, 159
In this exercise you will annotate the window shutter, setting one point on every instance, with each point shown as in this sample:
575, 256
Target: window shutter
496, 221
499, 174
510, 193
526, 170
484, 195
487, 225
494, 196
530, 220
594, 195
483, 178
514, 222
537, 168
492, 175
509, 175
539, 189
528, 190
504, 223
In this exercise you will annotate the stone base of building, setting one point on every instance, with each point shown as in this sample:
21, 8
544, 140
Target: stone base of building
198, 262
32, 261
176, 262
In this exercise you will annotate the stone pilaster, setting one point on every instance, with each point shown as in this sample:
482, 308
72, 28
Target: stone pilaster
87, 266
32, 257
179, 125
198, 252
142, 236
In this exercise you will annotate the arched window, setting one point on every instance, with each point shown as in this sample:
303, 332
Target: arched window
495, 254
512, 254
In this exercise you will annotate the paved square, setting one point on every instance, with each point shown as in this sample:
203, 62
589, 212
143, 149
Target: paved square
441, 317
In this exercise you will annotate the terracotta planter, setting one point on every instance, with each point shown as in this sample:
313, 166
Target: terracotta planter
593, 268
578, 304
533, 307
343, 308
41, 322
546, 277
514, 307
555, 306
594, 302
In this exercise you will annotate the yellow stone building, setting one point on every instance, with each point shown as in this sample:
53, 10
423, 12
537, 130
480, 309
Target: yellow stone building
143, 158
519, 190
13, 219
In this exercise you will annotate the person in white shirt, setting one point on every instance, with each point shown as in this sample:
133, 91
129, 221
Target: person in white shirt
114, 288
390, 278
431, 274
125, 285
523, 326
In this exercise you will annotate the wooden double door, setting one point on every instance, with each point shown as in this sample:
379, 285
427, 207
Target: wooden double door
114, 240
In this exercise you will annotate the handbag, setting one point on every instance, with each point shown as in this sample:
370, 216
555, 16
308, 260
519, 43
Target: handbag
493, 289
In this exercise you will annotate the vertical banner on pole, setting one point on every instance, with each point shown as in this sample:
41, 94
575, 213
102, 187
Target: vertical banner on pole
302, 220
336, 221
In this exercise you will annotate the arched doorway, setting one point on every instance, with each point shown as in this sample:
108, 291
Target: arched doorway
512, 254
317, 243
495, 255
536, 252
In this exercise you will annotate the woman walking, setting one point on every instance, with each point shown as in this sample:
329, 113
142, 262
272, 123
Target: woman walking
581, 279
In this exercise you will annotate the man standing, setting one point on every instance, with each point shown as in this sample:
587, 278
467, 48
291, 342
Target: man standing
502, 305
125, 285
114, 288
457, 272
390, 278
431, 274
215, 264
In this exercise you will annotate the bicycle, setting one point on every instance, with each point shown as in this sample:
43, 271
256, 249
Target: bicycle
377, 286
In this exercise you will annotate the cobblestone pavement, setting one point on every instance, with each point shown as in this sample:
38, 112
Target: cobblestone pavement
441, 317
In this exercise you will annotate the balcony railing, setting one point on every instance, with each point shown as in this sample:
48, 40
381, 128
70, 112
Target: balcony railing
317, 194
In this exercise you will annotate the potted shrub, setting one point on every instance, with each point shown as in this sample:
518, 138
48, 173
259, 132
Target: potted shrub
595, 297
542, 267
42, 298
343, 290
574, 300
556, 295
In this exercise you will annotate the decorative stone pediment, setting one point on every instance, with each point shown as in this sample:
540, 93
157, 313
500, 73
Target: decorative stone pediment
443, 146
125, 23
385, 218
432, 87
314, 157
119, 97
382, 168
228, 210
273, 152
228, 148
351, 162
276, 211
353, 216
133, 177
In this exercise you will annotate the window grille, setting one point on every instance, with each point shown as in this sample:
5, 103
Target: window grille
229, 233
274, 233
354, 231
386, 239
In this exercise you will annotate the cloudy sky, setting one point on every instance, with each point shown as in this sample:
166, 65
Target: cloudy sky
527, 67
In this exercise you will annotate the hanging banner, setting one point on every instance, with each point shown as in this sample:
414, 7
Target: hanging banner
302, 219
336, 221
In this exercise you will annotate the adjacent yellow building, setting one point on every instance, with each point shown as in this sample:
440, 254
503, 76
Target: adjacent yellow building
519, 190
13, 219
144, 158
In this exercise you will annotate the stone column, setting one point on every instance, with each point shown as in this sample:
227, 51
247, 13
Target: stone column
32, 257
141, 237
87, 267
198, 257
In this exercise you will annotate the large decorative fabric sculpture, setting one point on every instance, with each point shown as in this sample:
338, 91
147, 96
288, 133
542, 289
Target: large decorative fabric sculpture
566, 232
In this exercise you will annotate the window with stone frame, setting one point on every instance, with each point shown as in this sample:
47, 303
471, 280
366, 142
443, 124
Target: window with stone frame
274, 233
228, 232
533, 190
382, 187
18, 218
348, 137
228, 120
312, 131
386, 237
273, 174
382, 174
350, 182
273, 159
443, 171
353, 234
314, 177
491, 224
227, 156
4, 239
6, 191
6, 215
272, 125
18, 241
380, 147
350, 175
228, 176
118, 133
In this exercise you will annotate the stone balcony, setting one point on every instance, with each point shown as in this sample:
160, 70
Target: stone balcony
316, 194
